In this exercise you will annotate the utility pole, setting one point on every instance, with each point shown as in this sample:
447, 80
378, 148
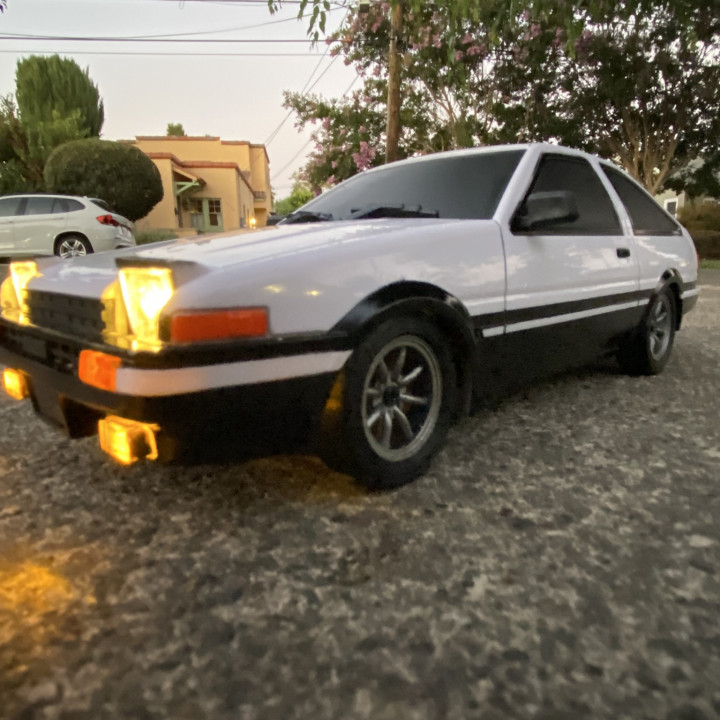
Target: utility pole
393, 100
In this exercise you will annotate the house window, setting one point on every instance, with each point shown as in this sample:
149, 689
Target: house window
671, 207
215, 214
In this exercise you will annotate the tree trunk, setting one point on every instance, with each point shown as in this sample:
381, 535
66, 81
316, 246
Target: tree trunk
393, 102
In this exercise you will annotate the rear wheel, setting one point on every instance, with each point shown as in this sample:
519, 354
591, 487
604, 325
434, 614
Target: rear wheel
648, 350
397, 402
72, 246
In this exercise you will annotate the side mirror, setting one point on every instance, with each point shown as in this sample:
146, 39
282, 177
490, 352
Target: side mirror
545, 208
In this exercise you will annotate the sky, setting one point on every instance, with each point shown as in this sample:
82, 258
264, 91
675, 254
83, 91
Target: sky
213, 87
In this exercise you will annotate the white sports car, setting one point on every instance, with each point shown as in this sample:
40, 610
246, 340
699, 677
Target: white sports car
366, 322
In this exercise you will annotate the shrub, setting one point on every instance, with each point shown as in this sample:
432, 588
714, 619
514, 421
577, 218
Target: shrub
707, 244
700, 216
152, 236
120, 174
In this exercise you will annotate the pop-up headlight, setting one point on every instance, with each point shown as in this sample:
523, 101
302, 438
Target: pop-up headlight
145, 292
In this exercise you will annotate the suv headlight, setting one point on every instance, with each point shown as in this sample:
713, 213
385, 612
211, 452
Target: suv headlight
145, 292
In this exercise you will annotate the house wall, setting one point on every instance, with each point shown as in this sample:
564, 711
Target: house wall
162, 216
236, 172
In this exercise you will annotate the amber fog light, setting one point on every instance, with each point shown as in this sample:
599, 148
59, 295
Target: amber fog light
127, 441
15, 384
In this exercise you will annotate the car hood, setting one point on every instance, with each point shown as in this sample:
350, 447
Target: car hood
192, 257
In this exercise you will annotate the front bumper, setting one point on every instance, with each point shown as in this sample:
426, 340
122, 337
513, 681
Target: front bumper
241, 407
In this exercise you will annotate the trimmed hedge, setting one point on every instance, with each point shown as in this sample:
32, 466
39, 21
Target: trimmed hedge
121, 175
707, 243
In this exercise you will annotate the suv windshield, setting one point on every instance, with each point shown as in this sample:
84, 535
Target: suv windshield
463, 186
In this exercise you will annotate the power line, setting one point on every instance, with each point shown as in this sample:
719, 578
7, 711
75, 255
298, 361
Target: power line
274, 133
132, 53
172, 35
305, 146
149, 40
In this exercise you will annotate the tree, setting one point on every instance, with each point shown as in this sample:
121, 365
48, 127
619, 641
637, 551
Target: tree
175, 129
300, 194
641, 88
55, 102
513, 32
120, 174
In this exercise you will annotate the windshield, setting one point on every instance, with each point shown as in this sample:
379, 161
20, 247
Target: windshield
464, 186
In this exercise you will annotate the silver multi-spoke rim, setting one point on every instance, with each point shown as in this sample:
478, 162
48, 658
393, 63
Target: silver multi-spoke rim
401, 398
71, 247
660, 327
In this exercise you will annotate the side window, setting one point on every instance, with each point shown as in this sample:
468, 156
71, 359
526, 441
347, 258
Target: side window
9, 206
646, 215
39, 206
60, 205
596, 214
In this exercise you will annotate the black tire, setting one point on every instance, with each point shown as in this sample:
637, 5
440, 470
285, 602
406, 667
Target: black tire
72, 246
392, 406
648, 350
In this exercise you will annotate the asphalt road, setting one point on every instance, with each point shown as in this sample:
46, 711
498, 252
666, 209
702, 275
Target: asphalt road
561, 560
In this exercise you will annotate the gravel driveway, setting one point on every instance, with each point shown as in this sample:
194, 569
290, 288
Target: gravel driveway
560, 561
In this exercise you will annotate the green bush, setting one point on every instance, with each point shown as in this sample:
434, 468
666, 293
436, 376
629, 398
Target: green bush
120, 174
700, 216
152, 236
707, 243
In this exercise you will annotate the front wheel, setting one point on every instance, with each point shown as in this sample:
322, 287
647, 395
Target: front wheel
397, 402
648, 350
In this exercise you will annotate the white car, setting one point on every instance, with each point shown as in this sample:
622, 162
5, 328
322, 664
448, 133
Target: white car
61, 225
367, 321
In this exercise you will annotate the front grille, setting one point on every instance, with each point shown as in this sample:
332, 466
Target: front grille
77, 317
56, 355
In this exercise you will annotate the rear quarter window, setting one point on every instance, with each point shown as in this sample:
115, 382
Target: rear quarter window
647, 217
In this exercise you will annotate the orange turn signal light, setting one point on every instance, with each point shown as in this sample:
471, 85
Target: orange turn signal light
98, 369
219, 325
15, 384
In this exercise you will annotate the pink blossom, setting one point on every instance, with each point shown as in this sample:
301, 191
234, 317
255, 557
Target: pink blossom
363, 159
436, 41
334, 164
362, 129
326, 123
467, 39
458, 55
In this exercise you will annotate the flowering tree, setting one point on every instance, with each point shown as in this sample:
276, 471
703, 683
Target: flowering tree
643, 89
633, 80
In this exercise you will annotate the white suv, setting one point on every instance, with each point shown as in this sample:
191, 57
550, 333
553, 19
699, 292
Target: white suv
62, 225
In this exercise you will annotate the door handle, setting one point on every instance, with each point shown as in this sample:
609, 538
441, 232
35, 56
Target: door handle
623, 252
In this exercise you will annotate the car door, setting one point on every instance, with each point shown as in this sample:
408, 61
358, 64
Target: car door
571, 285
9, 209
37, 227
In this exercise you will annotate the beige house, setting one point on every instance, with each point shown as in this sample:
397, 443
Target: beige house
210, 184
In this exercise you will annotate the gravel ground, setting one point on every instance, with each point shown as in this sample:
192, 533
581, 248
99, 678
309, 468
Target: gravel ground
560, 560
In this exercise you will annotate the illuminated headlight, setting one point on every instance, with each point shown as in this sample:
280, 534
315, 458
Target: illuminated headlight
145, 292
12, 293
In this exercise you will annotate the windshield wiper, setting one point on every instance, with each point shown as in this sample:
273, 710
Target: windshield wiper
391, 211
305, 216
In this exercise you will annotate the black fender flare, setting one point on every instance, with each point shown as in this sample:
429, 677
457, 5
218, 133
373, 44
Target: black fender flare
418, 299
672, 280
